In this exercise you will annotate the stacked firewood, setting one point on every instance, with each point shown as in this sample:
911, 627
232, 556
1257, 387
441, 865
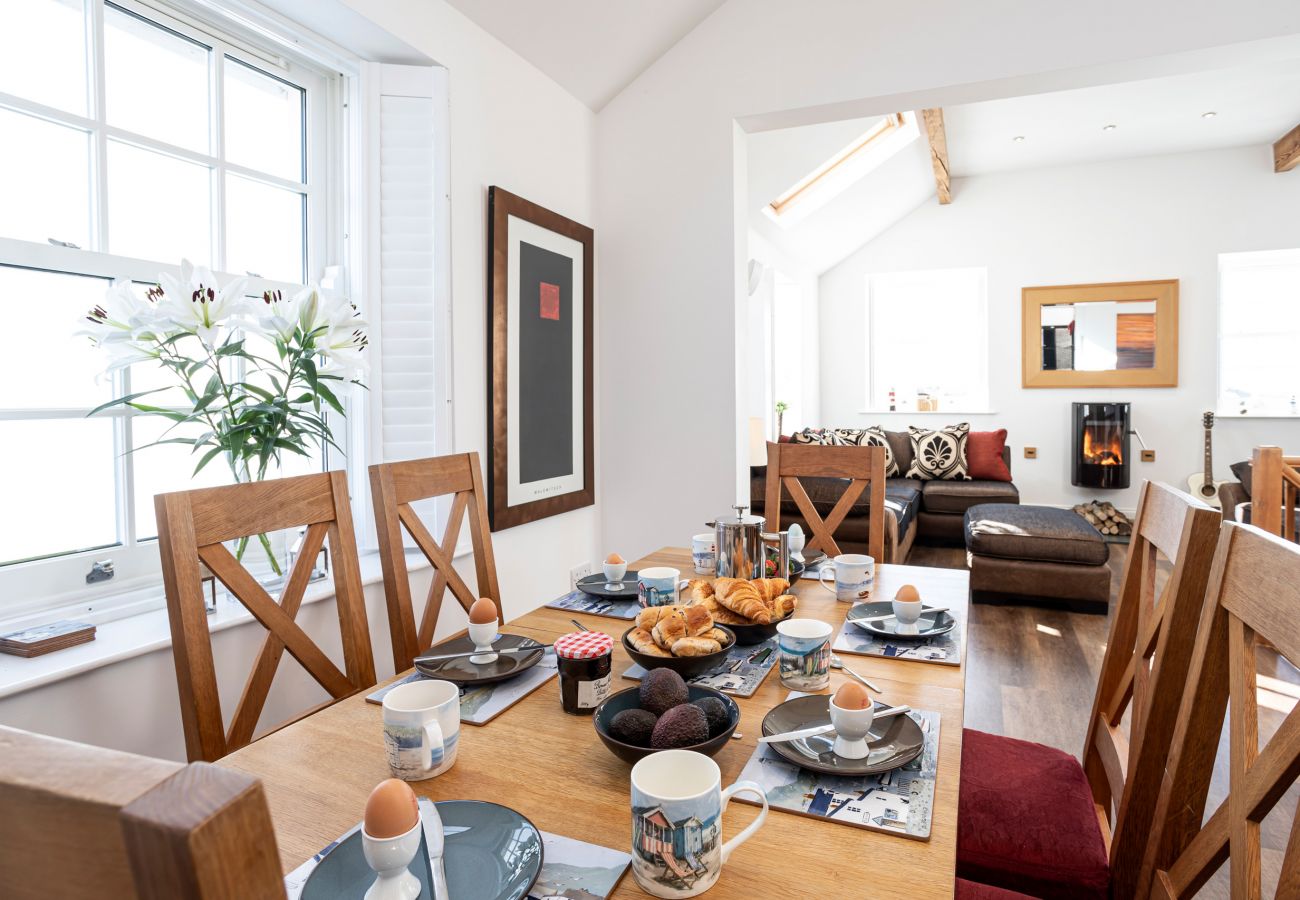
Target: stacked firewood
1105, 517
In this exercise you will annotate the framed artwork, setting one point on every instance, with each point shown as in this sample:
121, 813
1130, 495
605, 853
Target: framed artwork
540, 443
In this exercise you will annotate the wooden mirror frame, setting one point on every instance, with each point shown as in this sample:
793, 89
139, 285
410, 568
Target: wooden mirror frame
1163, 374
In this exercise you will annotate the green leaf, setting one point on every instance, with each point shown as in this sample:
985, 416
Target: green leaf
207, 458
330, 398
120, 400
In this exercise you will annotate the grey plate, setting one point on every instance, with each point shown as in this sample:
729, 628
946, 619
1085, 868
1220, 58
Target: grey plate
813, 557
929, 624
595, 585
468, 674
894, 742
492, 853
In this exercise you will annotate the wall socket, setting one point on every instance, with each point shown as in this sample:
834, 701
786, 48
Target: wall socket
581, 570
1148, 456
1031, 453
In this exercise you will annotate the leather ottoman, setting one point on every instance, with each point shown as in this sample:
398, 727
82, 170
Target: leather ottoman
1033, 553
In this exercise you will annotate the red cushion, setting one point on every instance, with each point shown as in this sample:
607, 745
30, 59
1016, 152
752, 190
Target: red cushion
973, 890
984, 455
1026, 820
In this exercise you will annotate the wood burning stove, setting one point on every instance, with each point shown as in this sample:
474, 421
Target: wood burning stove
1101, 445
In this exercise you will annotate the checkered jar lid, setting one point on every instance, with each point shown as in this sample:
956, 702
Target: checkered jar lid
583, 645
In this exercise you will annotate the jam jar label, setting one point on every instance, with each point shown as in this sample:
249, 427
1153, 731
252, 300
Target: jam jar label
592, 693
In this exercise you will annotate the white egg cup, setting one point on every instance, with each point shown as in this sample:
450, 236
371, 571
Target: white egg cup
907, 612
851, 729
796, 541
614, 575
391, 858
483, 634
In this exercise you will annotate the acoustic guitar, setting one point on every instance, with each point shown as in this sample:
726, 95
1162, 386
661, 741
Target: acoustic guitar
1202, 484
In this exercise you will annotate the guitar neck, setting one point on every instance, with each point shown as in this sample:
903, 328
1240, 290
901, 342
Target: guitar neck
1209, 459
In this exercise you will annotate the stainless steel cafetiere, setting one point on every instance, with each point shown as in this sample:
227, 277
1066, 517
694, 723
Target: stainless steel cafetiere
742, 545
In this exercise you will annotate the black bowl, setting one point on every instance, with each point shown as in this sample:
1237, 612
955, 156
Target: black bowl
631, 699
796, 571
748, 635
686, 666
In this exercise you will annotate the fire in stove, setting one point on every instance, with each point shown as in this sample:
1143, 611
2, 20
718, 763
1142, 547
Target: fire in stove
1100, 457
1100, 449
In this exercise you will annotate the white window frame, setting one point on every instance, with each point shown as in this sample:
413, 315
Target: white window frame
1246, 260
38, 586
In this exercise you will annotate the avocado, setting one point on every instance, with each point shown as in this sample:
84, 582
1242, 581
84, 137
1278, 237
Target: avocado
681, 726
716, 712
633, 726
661, 690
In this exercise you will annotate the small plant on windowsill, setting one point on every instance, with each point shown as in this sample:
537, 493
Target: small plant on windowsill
781, 407
251, 405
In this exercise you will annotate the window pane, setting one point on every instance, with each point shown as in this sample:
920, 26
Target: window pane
50, 365
60, 473
167, 467
159, 207
264, 122
264, 230
43, 52
155, 81
44, 180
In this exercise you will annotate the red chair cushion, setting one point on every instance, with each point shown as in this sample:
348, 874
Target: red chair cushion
1026, 820
973, 890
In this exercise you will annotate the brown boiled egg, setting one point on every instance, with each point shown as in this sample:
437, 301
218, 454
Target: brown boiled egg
392, 809
483, 611
614, 559
908, 594
851, 695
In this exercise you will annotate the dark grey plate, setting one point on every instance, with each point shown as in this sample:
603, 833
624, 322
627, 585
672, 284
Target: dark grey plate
894, 742
812, 557
492, 853
929, 624
595, 585
468, 674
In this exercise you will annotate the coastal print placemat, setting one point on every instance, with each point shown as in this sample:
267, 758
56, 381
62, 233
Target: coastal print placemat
571, 869
944, 649
896, 802
480, 705
577, 601
739, 673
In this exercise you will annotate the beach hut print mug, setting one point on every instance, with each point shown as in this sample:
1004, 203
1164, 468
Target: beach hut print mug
677, 807
805, 654
421, 728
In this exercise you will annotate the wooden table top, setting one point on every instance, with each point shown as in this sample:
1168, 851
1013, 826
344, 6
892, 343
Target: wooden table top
552, 767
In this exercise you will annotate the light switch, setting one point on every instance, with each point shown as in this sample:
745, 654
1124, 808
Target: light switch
1031, 453
1148, 456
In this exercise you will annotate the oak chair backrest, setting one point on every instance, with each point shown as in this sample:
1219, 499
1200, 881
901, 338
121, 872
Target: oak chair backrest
193, 528
393, 488
1148, 653
82, 821
864, 467
1253, 597
1274, 482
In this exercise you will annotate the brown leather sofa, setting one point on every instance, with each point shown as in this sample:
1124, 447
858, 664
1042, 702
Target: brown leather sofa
931, 510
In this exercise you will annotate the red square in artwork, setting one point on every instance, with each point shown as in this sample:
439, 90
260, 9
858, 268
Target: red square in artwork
550, 301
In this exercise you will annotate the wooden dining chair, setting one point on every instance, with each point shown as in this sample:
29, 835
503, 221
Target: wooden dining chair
82, 821
1061, 829
393, 488
193, 528
863, 467
1274, 482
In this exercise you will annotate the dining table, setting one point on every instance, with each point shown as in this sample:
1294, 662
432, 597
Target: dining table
552, 768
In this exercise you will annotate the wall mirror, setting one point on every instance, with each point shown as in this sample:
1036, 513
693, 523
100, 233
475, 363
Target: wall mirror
1123, 334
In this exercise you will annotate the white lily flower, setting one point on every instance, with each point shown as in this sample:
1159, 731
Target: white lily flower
338, 331
196, 304
123, 316
278, 314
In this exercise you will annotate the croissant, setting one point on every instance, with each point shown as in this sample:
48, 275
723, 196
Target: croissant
741, 597
770, 588
650, 616
721, 614
716, 634
641, 640
669, 629
697, 619
695, 646
784, 605
696, 590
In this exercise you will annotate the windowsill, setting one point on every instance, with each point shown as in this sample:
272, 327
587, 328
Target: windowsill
1222, 416
146, 632
928, 412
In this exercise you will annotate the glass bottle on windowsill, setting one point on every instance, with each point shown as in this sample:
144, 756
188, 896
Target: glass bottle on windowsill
893, 404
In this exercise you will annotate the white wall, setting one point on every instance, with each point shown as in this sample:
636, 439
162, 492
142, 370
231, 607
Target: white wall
1129, 220
773, 257
670, 163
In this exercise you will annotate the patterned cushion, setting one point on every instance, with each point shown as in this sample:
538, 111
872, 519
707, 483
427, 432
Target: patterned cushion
939, 453
875, 437
813, 436
851, 437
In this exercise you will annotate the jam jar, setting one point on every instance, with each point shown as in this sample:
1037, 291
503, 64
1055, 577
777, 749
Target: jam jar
584, 659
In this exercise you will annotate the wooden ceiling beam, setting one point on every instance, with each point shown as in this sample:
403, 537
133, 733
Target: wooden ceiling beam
933, 119
1286, 152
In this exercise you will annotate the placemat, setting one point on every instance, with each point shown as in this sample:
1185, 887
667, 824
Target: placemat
897, 802
577, 601
480, 705
570, 868
943, 649
739, 673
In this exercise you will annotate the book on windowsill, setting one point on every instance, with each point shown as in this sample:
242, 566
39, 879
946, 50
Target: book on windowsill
44, 639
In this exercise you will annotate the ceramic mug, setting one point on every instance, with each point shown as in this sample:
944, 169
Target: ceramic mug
657, 586
805, 654
704, 553
421, 728
853, 573
677, 807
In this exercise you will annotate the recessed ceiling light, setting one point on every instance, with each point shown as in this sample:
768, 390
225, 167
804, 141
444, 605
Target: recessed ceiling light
1019, 139
1209, 115
1109, 127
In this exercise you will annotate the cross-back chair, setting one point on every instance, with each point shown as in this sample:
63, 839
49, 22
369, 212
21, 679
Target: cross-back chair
1274, 483
82, 821
193, 529
1254, 593
863, 467
1074, 830
393, 488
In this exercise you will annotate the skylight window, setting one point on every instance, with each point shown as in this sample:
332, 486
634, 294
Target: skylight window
827, 181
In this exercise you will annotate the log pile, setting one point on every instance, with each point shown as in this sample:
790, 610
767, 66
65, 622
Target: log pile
1105, 518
